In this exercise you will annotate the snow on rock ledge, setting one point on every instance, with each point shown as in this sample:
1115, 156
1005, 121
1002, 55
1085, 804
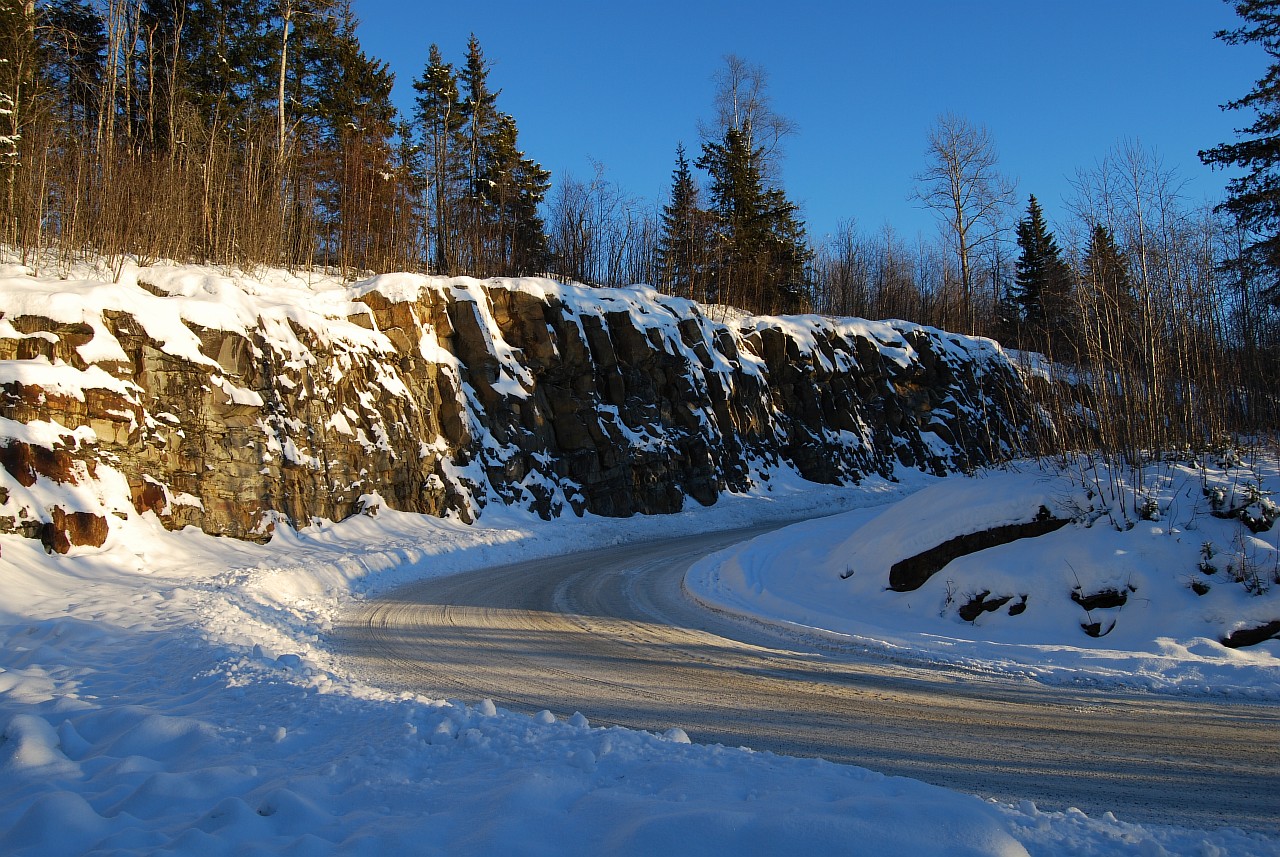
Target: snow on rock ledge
231, 402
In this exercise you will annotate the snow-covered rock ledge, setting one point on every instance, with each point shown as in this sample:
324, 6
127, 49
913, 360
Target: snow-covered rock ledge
233, 401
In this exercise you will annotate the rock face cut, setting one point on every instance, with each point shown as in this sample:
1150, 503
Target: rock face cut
232, 403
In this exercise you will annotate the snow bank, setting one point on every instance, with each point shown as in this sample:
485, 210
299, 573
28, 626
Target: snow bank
173, 692
1187, 580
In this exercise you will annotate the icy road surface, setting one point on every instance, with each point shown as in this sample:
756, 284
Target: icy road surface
610, 633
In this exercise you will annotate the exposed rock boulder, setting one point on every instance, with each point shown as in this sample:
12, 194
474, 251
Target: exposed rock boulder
982, 603
1103, 599
911, 573
72, 528
1243, 637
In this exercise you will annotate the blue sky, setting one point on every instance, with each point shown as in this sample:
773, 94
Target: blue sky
1057, 83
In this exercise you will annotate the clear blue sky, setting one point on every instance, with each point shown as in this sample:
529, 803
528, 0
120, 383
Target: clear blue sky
1057, 82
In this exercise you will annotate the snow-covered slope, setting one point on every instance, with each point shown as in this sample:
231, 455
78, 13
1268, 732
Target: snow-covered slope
1141, 587
164, 691
172, 693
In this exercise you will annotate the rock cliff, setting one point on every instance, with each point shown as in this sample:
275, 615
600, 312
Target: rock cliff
232, 402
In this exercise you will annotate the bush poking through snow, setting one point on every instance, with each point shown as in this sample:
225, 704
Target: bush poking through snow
1207, 552
1149, 509
1250, 562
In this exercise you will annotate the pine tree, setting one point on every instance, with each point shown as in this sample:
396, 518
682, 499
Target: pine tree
1043, 287
439, 113
1254, 198
1111, 307
761, 257
681, 244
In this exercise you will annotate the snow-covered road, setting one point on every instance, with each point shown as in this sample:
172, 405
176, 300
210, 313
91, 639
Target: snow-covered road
609, 633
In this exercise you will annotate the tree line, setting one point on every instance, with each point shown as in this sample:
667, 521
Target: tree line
259, 132
229, 131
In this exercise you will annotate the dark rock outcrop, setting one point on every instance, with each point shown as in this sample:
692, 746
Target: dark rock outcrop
1103, 599
980, 603
1252, 636
441, 396
911, 573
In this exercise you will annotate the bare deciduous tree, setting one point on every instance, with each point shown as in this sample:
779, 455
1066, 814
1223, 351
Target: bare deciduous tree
742, 102
595, 229
963, 185
873, 276
17, 38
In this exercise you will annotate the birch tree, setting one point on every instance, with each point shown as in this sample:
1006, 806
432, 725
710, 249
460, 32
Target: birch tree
972, 198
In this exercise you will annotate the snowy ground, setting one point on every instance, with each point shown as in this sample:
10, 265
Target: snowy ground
1188, 579
172, 692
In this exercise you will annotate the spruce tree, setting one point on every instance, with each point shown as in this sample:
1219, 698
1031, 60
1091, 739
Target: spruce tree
484, 192
1009, 327
226, 66
439, 113
480, 112
761, 256
1254, 198
512, 187
791, 284
1043, 287
1112, 305
736, 193
502, 231
680, 244
350, 108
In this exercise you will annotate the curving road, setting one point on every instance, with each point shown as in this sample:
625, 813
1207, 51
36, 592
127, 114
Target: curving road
609, 633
